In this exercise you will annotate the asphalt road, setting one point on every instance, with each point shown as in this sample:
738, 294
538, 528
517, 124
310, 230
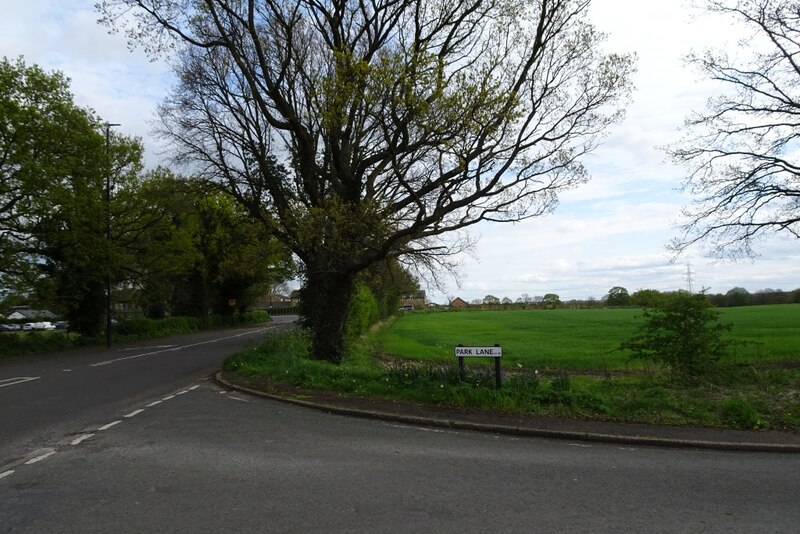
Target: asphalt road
137, 440
208, 460
43, 398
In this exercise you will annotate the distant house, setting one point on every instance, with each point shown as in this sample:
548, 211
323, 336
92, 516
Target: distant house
414, 302
25, 313
274, 301
458, 303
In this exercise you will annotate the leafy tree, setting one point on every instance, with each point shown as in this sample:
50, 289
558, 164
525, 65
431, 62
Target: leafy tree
683, 333
53, 167
45, 141
491, 299
618, 296
360, 131
551, 300
389, 281
738, 296
741, 152
220, 260
646, 298
794, 296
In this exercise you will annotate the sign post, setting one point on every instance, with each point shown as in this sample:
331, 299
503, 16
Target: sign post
495, 352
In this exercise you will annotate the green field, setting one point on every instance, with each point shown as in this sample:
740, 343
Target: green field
756, 388
579, 339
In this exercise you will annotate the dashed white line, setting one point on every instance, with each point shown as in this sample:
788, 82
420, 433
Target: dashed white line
81, 438
6, 473
17, 380
194, 387
40, 458
168, 398
109, 425
134, 413
175, 348
182, 392
153, 404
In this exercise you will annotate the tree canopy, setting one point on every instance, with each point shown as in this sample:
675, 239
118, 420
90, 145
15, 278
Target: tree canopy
742, 151
618, 296
357, 131
167, 235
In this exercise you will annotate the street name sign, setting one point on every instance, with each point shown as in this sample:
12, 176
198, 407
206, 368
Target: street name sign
479, 352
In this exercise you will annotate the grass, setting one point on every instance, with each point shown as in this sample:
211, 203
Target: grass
556, 362
574, 339
578, 339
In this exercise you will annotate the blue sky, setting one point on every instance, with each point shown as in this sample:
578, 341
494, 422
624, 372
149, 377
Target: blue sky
611, 231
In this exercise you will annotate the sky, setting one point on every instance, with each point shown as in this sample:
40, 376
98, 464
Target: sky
612, 231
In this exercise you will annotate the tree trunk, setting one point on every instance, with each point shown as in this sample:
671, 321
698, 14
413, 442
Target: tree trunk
325, 301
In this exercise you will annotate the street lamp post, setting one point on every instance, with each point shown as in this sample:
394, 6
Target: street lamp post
108, 126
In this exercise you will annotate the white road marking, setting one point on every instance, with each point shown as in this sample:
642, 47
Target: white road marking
174, 348
81, 438
237, 398
153, 347
17, 380
40, 458
109, 425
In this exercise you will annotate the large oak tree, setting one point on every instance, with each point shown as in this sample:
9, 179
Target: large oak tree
363, 130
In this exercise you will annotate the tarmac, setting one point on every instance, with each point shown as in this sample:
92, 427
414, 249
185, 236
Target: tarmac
629, 434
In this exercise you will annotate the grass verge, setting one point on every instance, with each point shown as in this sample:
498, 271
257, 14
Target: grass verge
742, 396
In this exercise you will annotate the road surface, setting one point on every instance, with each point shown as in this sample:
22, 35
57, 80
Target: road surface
188, 456
42, 398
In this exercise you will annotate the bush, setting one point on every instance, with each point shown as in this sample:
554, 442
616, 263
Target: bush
363, 312
682, 333
739, 413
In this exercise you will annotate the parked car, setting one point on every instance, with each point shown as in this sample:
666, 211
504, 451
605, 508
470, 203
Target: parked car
10, 327
43, 325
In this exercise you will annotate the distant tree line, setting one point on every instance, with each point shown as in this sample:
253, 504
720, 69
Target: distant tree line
619, 297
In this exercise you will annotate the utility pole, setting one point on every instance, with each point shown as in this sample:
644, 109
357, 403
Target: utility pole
108, 126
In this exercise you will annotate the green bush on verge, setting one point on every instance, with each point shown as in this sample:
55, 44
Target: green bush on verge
682, 333
363, 312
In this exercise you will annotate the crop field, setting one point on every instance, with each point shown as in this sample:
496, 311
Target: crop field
579, 339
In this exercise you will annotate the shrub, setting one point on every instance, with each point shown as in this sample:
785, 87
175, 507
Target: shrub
738, 412
682, 333
363, 312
